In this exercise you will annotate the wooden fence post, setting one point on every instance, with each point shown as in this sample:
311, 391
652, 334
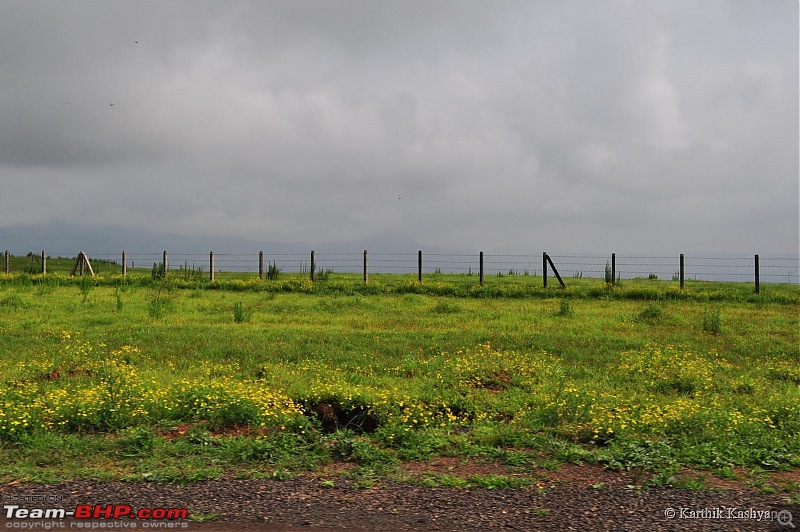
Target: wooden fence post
544, 269
480, 267
613, 269
211, 266
44, 262
166, 263
313, 265
758, 284
5, 262
681, 274
124, 264
261, 265
419, 266
366, 273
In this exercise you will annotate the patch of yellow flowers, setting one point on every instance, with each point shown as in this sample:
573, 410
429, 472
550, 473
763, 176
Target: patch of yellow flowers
655, 390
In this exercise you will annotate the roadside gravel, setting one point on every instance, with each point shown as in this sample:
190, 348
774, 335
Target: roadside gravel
307, 504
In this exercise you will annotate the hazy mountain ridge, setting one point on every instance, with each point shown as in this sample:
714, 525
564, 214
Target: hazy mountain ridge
59, 239
67, 239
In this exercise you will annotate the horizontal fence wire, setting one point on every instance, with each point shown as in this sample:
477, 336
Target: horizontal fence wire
773, 269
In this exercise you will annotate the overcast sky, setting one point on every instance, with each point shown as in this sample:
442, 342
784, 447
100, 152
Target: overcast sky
593, 125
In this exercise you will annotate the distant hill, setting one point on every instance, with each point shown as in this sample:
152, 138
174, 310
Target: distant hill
60, 239
68, 239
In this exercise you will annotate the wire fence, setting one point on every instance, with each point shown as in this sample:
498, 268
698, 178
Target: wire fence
776, 269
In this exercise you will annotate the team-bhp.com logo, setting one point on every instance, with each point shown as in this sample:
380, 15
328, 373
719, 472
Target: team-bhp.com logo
95, 511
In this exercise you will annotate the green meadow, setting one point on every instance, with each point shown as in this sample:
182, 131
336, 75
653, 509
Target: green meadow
181, 379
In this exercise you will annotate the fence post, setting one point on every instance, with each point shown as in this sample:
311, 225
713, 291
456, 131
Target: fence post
166, 264
261, 265
480, 267
82, 263
124, 264
757, 279
681, 271
5, 262
555, 271
613, 269
44, 262
313, 265
211, 266
419, 266
366, 273
544, 269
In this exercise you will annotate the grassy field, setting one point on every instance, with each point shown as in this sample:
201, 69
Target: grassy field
181, 379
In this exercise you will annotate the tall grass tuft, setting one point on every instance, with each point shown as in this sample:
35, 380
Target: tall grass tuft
240, 313
712, 321
565, 310
273, 271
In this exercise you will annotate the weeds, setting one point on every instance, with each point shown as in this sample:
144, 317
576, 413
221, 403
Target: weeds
651, 313
160, 301
240, 313
86, 287
273, 271
565, 309
158, 271
712, 322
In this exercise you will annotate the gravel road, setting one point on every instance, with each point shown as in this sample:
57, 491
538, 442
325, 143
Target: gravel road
592, 500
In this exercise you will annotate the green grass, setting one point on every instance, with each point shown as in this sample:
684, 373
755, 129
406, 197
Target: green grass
183, 379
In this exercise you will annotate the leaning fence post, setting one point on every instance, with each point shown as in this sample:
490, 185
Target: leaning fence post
419, 266
5, 262
261, 265
313, 265
555, 271
124, 264
366, 273
211, 266
480, 267
757, 279
681, 271
44, 262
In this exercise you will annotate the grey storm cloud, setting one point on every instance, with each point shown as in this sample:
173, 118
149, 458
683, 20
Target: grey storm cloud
613, 124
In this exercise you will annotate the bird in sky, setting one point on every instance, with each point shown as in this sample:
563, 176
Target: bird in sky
111, 104
136, 42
